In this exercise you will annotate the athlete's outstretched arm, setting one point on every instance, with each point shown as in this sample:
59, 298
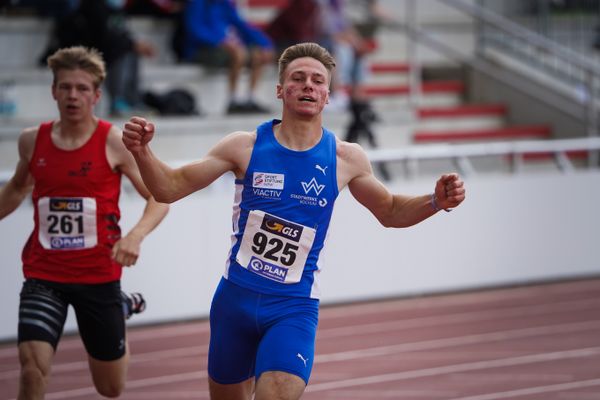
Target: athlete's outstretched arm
395, 210
127, 250
171, 184
20, 184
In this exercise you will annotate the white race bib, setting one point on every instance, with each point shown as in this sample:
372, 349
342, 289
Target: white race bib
67, 223
274, 247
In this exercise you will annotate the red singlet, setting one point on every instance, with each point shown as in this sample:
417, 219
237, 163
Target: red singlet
76, 211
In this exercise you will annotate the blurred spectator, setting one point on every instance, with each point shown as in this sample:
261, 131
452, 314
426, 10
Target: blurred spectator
287, 29
216, 35
351, 27
348, 31
155, 8
45, 8
101, 24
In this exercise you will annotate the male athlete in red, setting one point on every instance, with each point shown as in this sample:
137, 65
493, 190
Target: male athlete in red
75, 254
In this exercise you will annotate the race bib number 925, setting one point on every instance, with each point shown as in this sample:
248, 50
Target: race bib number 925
275, 248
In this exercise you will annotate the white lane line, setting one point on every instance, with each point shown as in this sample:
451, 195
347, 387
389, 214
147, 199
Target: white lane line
171, 395
339, 311
533, 390
472, 316
132, 384
355, 354
135, 359
509, 312
501, 295
448, 369
427, 372
136, 333
457, 341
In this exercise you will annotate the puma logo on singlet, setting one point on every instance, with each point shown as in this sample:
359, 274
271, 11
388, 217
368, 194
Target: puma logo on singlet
317, 166
304, 360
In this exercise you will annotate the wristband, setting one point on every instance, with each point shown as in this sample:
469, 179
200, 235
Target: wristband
435, 206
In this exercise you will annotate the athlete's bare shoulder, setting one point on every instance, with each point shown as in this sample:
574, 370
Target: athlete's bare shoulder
27, 140
235, 144
115, 134
352, 161
235, 148
241, 138
347, 151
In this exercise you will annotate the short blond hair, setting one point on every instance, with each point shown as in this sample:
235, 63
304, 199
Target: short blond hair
79, 57
307, 49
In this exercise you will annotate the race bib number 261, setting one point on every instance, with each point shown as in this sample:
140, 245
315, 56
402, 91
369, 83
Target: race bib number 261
275, 248
67, 223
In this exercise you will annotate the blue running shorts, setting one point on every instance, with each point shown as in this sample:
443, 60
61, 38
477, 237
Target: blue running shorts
251, 333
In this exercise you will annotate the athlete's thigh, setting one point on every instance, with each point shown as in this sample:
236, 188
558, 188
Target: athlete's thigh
100, 318
234, 334
42, 312
288, 344
233, 391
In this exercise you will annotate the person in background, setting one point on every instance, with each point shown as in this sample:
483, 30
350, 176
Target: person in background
353, 46
102, 24
74, 257
286, 29
215, 34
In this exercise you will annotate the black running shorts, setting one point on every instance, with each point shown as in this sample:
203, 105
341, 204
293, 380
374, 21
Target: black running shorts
98, 309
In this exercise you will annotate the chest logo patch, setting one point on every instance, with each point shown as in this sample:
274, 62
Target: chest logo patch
265, 180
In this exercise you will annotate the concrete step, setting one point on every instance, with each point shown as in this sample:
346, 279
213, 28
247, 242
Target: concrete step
500, 133
461, 117
463, 110
29, 88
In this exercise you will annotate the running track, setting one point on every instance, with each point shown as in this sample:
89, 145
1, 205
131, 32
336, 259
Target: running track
524, 343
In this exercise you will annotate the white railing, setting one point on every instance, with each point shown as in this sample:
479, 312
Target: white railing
583, 102
460, 154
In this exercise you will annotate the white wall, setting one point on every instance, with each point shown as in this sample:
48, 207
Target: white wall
511, 229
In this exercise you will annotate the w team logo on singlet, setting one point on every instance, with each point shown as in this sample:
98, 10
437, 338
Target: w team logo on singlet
312, 186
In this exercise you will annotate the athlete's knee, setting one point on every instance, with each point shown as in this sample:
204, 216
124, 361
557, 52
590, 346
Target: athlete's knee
277, 385
109, 376
33, 376
35, 358
110, 389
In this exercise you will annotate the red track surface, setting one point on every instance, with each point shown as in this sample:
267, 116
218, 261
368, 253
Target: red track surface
526, 343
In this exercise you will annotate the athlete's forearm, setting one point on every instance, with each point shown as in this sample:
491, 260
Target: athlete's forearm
11, 196
408, 211
153, 214
159, 178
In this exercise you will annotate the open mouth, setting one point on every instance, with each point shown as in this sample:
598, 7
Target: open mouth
307, 99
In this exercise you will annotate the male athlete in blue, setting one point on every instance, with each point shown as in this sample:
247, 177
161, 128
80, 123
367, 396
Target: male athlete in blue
288, 173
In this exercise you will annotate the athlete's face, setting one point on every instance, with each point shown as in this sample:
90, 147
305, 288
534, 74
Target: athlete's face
305, 87
75, 94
